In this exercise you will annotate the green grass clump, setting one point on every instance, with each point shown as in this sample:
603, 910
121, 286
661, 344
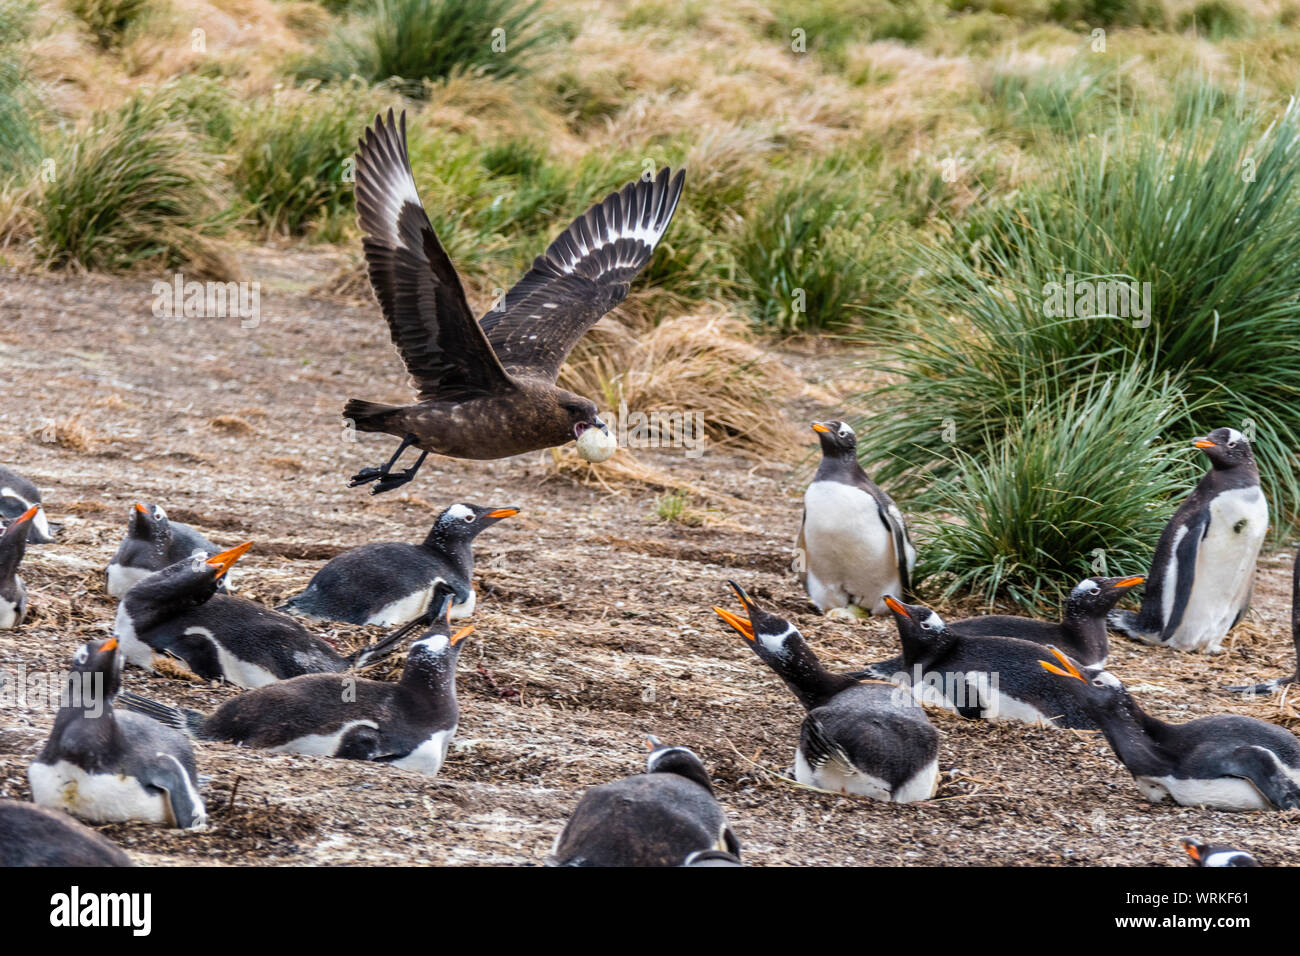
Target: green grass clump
415, 41
1216, 19
18, 131
107, 20
129, 190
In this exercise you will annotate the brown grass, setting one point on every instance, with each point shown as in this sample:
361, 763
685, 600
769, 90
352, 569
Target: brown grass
69, 433
231, 424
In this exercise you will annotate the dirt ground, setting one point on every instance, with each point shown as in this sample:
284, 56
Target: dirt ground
593, 624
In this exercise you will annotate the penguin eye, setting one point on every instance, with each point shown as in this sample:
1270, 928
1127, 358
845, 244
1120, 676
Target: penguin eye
926, 627
1094, 590
469, 519
1232, 444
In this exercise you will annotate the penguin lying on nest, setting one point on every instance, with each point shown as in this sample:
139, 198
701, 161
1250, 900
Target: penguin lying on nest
110, 766
487, 388
1203, 573
1278, 683
664, 817
1224, 762
1211, 854
1081, 632
872, 740
408, 724
853, 541
986, 678
392, 583
152, 543
33, 836
18, 495
177, 613
13, 546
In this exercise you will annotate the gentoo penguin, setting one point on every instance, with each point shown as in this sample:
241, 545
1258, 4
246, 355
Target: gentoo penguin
853, 545
487, 387
1204, 570
1081, 632
1277, 683
988, 678
1224, 762
1210, 854
392, 582
33, 836
18, 495
409, 723
152, 543
13, 545
657, 818
872, 740
109, 766
177, 613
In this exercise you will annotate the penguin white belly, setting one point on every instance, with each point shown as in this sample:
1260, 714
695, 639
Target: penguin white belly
850, 552
1220, 793
8, 614
241, 673
99, 797
465, 608
133, 650
922, 786
122, 578
429, 756
975, 689
1225, 570
831, 776
321, 745
406, 608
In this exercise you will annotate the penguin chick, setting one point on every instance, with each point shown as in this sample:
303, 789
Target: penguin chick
408, 724
853, 540
18, 495
1203, 573
13, 546
1209, 854
153, 542
176, 612
1224, 762
33, 836
110, 766
658, 818
986, 678
392, 583
872, 740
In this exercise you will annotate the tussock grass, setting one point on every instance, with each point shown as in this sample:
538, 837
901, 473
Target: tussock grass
107, 20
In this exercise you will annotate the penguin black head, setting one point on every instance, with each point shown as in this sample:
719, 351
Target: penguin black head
1226, 448
97, 657
463, 522
437, 649
921, 630
1206, 854
149, 523
1100, 688
838, 439
181, 586
668, 758
13, 543
1093, 597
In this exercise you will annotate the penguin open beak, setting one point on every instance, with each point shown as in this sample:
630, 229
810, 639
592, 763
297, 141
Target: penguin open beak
1203, 443
223, 561
896, 606
742, 626
1130, 582
460, 635
1069, 671
819, 427
502, 513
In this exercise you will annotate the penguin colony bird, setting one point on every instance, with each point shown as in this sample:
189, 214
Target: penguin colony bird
152, 543
110, 767
853, 541
987, 678
392, 583
1212, 854
409, 723
18, 495
1203, 573
1224, 762
177, 613
13, 546
33, 836
487, 388
872, 740
667, 816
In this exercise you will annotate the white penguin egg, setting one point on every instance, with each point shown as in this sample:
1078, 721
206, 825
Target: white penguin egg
596, 444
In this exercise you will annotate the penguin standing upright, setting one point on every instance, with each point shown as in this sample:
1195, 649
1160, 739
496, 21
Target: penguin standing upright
853, 544
13, 545
1277, 683
1203, 573
662, 817
109, 766
177, 613
392, 583
18, 495
408, 724
1213, 854
153, 542
873, 740
33, 836
1223, 762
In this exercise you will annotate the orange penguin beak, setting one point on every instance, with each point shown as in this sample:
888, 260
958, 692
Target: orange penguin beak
1203, 443
819, 427
1069, 671
740, 624
503, 513
141, 508
460, 635
1131, 582
1192, 849
223, 561
109, 645
896, 607
27, 515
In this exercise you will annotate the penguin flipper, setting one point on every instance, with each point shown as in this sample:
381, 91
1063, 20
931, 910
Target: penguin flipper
820, 748
1185, 560
904, 553
801, 552
167, 774
178, 718
1260, 767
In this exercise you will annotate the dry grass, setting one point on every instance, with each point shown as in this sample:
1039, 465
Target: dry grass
69, 433
232, 425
